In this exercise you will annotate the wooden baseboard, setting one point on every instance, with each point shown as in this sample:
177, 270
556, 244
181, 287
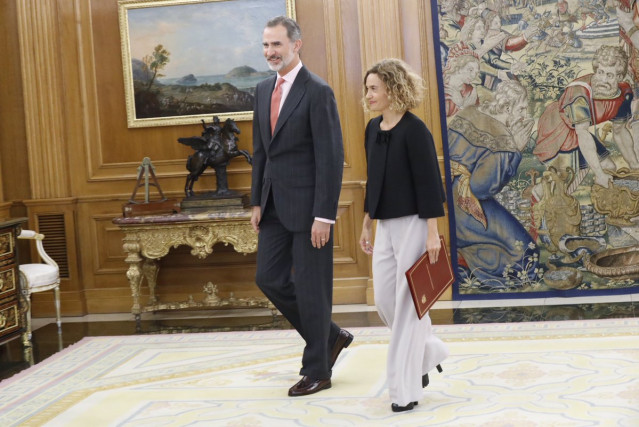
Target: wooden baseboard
45, 307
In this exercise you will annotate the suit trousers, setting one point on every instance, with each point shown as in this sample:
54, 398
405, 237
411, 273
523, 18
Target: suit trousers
413, 350
298, 279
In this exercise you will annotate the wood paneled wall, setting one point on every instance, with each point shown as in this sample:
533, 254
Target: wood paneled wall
65, 139
14, 169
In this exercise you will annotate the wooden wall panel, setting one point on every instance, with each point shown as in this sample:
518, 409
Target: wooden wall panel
5, 209
14, 166
88, 165
43, 86
380, 33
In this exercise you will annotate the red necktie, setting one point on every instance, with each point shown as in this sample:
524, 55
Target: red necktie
276, 97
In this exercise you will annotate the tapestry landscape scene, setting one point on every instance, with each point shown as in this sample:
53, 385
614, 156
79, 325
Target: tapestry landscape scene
542, 145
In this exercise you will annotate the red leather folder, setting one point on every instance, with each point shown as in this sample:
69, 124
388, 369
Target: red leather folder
428, 281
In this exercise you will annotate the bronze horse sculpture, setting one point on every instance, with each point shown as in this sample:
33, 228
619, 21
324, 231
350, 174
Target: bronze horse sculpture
215, 148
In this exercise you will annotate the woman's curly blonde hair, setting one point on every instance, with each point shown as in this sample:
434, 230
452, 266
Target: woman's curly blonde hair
405, 88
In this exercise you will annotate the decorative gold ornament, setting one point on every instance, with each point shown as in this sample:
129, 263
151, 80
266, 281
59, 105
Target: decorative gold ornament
6, 243
619, 203
559, 210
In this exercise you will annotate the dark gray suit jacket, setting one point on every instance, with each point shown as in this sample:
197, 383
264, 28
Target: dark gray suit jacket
302, 164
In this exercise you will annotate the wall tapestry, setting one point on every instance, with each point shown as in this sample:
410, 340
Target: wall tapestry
541, 106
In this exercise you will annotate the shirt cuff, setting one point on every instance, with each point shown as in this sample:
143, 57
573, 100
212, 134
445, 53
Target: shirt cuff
328, 221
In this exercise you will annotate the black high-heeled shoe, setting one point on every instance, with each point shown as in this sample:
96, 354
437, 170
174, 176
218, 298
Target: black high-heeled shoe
425, 380
396, 408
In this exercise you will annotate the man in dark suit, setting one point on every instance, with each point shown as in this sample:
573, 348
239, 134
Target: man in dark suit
297, 176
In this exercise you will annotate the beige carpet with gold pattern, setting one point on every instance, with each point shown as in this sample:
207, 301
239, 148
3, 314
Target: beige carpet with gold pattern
568, 373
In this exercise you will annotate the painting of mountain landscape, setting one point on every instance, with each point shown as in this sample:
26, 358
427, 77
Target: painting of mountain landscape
184, 61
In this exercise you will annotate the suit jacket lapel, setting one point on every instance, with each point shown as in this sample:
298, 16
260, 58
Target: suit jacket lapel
265, 111
292, 99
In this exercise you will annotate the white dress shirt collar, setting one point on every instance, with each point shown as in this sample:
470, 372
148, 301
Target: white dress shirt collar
289, 78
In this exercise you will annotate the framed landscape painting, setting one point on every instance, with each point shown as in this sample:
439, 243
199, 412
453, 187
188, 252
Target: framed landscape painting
186, 60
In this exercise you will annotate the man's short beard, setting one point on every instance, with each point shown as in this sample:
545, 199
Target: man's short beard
604, 92
283, 64
601, 90
277, 67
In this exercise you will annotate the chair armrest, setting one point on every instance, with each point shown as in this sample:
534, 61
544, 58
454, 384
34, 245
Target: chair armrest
30, 234
45, 257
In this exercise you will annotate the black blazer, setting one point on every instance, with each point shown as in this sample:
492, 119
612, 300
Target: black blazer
302, 164
403, 173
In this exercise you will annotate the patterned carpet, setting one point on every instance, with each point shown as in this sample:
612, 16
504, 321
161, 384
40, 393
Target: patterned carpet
569, 373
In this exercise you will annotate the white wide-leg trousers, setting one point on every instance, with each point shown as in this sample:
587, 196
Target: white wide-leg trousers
414, 350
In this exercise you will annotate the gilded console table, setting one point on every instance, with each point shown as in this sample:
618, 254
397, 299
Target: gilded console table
149, 238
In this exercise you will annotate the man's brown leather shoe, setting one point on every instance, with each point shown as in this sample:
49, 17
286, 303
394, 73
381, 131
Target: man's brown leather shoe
344, 339
308, 385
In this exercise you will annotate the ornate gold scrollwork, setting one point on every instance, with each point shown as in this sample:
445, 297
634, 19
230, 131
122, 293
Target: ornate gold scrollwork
241, 236
6, 243
156, 242
3, 320
201, 239
6, 280
619, 203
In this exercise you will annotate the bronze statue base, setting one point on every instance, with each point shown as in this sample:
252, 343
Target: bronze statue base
212, 200
157, 207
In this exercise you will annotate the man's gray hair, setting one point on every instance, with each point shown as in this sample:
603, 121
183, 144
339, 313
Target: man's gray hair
293, 30
609, 56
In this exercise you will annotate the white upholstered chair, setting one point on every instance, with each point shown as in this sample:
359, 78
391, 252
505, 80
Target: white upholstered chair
39, 277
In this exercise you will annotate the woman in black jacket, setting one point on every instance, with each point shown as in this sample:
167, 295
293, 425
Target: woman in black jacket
404, 193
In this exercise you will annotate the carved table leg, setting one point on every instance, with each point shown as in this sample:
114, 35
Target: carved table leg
150, 268
138, 324
134, 273
27, 352
25, 315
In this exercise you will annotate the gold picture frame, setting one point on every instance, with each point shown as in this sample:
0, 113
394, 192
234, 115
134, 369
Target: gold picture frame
188, 60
